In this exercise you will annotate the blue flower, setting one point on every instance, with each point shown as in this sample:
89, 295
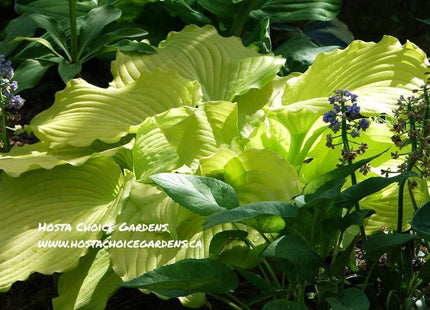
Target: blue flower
363, 124
7, 86
353, 110
330, 116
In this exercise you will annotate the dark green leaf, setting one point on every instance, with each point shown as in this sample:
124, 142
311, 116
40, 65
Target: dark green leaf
355, 218
421, 221
378, 244
425, 272
57, 9
328, 33
223, 239
296, 252
248, 211
93, 24
292, 10
425, 21
301, 52
22, 26
337, 268
136, 47
186, 277
201, 195
54, 30
283, 304
221, 8
351, 298
367, 187
338, 173
30, 72
260, 37
186, 13
256, 280
327, 191
68, 71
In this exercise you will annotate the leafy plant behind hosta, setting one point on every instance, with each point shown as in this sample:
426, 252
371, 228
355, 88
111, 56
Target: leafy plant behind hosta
203, 104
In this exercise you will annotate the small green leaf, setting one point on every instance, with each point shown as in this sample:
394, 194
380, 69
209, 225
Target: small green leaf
221, 8
68, 70
284, 304
30, 72
355, 218
54, 30
222, 239
367, 187
186, 277
351, 298
305, 260
133, 46
201, 195
93, 25
420, 221
378, 244
251, 210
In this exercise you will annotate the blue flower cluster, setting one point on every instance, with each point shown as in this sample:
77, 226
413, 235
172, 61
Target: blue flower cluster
10, 101
345, 107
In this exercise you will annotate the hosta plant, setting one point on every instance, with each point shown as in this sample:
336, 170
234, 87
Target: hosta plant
202, 105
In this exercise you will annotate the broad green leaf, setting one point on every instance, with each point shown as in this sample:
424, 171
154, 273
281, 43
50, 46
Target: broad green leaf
283, 304
58, 9
336, 174
148, 205
350, 298
89, 285
261, 175
83, 112
282, 11
355, 218
93, 24
30, 72
384, 202
300, 52
377, 72
202, 195
22, 26
332, 32
221, 8
304, 259
64, 196
68, 70
39, 155
367, 187
248, 211
378, 244
420, 221
220, 241
41, 41
54, 30
186, 277
222, 66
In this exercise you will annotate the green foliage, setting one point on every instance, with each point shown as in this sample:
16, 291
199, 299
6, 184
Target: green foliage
204, 137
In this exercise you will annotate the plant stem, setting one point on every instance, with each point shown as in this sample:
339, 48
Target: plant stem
73, 32
347, 150
4, 136
226, 301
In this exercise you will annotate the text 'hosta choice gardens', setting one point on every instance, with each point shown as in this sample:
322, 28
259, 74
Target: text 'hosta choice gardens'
202, 105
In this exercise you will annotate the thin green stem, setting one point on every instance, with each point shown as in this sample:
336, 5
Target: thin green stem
347, 149
3, 126
238, 301
225, 301
272, 273
73, 32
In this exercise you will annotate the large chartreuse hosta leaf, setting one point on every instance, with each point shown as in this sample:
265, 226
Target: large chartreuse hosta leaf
183, 136
39, 155
83, 112
223, 66
88, 194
